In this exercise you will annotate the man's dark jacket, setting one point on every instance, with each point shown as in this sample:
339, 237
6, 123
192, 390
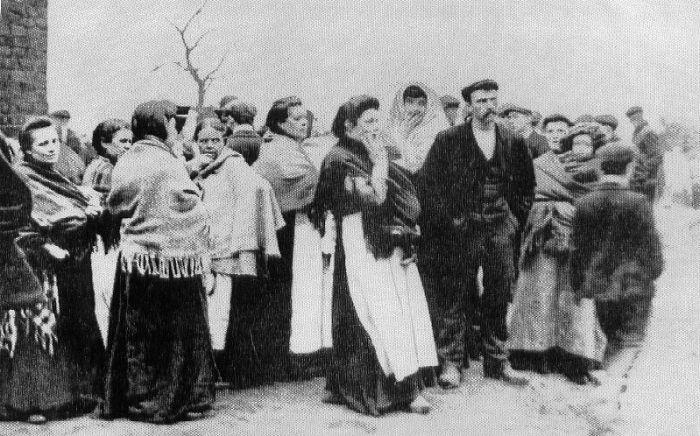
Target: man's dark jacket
454, 173
617, 252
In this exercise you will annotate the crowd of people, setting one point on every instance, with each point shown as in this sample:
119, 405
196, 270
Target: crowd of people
385, 257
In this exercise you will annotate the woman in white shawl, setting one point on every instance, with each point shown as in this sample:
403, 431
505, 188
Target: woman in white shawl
415, 117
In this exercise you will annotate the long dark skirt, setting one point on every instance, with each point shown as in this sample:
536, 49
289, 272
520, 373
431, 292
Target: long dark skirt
78, 329
247, 357
35, 382
160, 363
354, 374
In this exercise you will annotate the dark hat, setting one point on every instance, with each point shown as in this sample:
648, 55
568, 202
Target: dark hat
633, 110
225, 100
449, 101
225, 105
585, 118
508, 108
615, 152
485, 85
60, 114
607, 120
555, 118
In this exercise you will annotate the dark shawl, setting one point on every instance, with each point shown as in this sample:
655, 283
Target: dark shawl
560, 178
58, 208
386, 225
20, 287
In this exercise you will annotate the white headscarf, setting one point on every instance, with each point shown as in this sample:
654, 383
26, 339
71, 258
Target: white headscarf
415, 144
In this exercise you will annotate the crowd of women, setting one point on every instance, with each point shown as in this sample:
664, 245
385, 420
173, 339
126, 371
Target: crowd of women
225, 255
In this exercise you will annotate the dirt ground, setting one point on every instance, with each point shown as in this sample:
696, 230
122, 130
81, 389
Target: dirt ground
653, 390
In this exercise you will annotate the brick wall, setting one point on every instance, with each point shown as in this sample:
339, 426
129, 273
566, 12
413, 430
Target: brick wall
23, 36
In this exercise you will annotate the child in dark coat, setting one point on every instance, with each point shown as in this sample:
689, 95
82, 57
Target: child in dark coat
617, 252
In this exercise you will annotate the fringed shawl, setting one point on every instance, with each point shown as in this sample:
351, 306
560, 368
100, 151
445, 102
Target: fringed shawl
560, 180
291, 173
385, 225
164, 225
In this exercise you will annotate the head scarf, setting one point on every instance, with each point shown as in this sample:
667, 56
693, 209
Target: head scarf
415, 144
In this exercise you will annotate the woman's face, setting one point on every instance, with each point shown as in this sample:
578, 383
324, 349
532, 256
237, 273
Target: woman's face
121, 142
415, 107
296, 122
582, 145
210, 141
367, 126
45, 146
555, 132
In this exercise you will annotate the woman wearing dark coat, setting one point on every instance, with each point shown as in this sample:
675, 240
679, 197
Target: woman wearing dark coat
69, 377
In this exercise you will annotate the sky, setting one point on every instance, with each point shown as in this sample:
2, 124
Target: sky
570, 57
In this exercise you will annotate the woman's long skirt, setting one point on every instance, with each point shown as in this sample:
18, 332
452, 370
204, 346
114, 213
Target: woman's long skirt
160, 362
383, 349
35, 381
547, 319
78, 329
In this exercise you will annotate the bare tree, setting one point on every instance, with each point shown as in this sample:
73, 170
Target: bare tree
190, 44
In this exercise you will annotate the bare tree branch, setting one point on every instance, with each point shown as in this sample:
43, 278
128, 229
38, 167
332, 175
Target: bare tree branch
210, 76
189, 47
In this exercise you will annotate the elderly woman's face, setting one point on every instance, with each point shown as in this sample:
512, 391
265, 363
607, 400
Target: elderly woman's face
45, 146
582, 145
210, 141
296, 122
555, 132
121, 142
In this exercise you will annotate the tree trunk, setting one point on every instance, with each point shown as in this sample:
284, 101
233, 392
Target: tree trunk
201, 91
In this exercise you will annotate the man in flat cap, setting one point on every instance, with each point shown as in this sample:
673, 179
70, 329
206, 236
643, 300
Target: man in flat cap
476, 189
649, 159
617, 252
520, 119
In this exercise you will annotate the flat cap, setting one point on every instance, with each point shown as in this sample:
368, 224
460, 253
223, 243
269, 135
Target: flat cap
481, 85
633, 110
60, 114
585, 118
615, 152
556, 118
607, 120
449, 101
226, 100
508, 108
